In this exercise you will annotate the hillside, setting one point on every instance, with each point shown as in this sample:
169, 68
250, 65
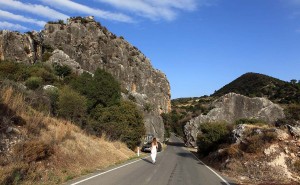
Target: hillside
259, 85
39, 149
245, 146
287, 94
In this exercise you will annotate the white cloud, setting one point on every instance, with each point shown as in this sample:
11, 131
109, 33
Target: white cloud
76, 7
9, 26
155, 9
20, 18
36, 9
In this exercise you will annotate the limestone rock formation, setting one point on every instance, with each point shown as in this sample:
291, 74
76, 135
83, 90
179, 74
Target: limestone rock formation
83, 44
232, 107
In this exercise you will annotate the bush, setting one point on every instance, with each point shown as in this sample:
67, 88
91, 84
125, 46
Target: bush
120, 122
254, 144
34, 82
101, 89
167, 123
46, 56
71, 105
43, 71
256, 140
62, 70
12, 71
213, 134
33, 151
53, 95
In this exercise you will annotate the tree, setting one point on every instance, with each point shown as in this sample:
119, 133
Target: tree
62, 70
120, 122
212, 135
101, 89
293, 81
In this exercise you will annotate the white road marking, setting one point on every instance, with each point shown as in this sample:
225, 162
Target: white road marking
108, 171
206, 166
211, 170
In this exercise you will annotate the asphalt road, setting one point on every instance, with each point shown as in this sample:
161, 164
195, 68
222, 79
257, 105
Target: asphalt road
174, 166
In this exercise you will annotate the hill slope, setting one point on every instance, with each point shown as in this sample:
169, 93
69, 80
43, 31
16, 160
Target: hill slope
39, 149
259, 85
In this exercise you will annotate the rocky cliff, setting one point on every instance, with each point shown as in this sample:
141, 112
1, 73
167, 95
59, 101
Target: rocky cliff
85, 45
232, 107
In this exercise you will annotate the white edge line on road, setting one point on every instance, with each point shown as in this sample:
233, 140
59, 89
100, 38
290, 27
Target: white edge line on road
227, 183
107, 171
211, 170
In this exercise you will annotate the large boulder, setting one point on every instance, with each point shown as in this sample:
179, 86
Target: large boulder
232, 107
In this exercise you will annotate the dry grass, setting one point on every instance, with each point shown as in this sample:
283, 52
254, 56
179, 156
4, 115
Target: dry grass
52, 150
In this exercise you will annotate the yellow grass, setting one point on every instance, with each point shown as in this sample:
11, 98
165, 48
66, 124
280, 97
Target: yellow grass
72, 151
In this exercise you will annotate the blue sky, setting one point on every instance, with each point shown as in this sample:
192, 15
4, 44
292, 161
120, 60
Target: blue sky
201, 45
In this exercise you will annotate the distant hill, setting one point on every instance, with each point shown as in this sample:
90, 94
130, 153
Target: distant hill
249, 84
259, 85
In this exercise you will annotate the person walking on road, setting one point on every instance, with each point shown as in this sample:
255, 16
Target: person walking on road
154, 147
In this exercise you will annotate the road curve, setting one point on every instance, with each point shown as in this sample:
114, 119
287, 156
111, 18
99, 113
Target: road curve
175, 166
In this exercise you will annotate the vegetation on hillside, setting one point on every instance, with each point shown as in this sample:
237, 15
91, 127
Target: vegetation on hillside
259, 85
183, 110
287, 94
78, 98
47, 150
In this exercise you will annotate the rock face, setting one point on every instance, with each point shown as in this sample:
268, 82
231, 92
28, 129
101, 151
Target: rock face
85, 45
232, 107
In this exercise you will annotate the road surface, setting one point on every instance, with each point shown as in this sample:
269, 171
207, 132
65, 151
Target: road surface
174, 166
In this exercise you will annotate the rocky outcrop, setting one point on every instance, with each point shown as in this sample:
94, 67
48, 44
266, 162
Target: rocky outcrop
232, 107
295, 131
84, 44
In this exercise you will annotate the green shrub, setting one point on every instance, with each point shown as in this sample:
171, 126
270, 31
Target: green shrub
46, 56
48, 48
43, 71
119, 122
167, 123
34, 82
71, 105
53, 95
212, 135
101, 89
148, 107
132, 98
13, 71
62, 70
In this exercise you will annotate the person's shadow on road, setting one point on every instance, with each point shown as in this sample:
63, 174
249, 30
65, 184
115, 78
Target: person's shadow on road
147, 160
